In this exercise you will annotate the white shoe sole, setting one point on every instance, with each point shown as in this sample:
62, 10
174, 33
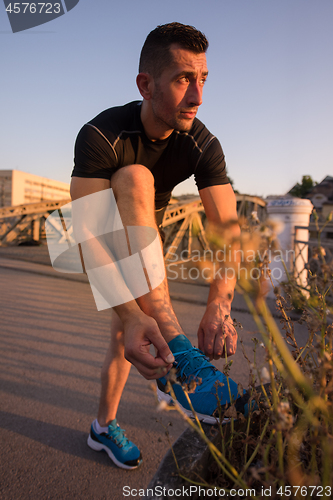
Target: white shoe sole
94, 445
205, 419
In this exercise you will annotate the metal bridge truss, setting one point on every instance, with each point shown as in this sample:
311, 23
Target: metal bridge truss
26, 222
182, 223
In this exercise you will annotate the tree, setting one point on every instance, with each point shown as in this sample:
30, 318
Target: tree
301, 190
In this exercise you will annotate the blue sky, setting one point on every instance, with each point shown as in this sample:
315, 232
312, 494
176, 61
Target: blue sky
268, 97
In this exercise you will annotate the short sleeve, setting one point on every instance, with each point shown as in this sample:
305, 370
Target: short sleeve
211, 168
93, 155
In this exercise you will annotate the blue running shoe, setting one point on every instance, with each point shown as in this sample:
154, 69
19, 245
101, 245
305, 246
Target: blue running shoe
192, 365
121, 451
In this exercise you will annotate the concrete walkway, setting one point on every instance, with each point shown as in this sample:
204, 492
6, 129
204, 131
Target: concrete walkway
53, 342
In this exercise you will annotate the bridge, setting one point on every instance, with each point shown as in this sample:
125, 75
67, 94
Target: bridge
183, 221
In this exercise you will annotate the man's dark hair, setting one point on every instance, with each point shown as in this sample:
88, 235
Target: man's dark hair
155, 53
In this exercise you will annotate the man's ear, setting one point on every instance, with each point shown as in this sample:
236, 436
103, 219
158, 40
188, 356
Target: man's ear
145, 83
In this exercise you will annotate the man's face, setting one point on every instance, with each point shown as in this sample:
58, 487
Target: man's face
178, 91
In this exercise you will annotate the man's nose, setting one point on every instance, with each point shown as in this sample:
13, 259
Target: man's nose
194, 92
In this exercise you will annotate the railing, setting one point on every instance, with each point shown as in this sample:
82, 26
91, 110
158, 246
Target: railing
23, 222
313, 256
182, 221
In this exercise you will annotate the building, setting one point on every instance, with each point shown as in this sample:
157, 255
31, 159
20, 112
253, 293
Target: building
21, 188
321, 197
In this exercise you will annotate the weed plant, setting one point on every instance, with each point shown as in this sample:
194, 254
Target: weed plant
285, 445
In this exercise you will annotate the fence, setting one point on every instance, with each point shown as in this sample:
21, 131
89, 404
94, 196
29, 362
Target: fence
27, 222
314, 257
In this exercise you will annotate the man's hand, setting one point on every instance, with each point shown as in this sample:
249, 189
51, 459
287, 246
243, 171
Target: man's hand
139, 333
216, 332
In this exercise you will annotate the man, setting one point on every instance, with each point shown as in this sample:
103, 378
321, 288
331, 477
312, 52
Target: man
142, 150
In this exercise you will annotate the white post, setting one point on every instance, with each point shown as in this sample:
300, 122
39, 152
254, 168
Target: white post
290, 212
35, 229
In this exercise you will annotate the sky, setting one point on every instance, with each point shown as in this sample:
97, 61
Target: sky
268, 97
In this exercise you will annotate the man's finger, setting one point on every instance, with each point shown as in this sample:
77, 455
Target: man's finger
230, 343
219, 346
162, 371
201, 337
150, 367
163, 349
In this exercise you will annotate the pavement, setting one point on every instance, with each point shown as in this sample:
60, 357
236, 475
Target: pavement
53, 342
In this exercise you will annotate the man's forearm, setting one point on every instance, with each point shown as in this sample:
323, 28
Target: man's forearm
223, 286
222, 292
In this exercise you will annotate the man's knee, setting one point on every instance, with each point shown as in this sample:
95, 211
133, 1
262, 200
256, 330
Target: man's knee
132, 177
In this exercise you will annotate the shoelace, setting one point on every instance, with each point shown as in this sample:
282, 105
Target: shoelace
118, 436
182, 362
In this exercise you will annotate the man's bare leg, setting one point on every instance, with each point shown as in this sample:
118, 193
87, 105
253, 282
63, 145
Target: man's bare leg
134, 190
105, 434
133, 187
115, 371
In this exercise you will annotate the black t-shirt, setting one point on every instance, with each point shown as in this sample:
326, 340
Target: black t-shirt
115, 138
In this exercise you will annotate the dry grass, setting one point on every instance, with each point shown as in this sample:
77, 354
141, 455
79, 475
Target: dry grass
286, 443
